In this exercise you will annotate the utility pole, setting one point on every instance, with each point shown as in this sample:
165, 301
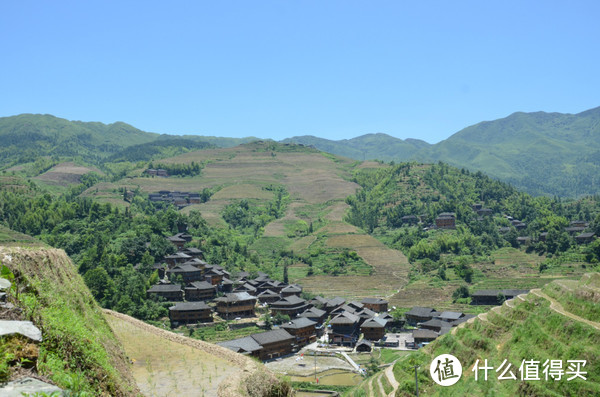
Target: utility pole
416, 380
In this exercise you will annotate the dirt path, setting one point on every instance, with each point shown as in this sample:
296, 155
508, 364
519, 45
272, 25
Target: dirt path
389, 373
557, 307
167, 364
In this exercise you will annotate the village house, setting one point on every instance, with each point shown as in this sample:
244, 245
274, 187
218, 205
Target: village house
410, 219
376, 304
435, 325
363, 346
290, 305
419, 315
268, 296
493, 296
446, 220
423, 336
585, 238
235, 304
194, 253
265, 345
373, 329
275, 343
302, 329
315, 314
188, 273
333, 303
177, 241
200, 291
189, 313
344, 329
226, 285
293, 289
177, 258
170, 292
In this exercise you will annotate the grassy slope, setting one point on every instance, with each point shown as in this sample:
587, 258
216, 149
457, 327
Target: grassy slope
531, 327
79, 351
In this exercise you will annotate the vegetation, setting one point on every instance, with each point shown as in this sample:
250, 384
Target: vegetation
79, 351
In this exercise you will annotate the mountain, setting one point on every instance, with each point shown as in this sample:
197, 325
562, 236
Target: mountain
370, 146
541, 153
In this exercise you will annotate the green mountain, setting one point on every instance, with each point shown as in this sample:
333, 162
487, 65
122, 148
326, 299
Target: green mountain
542, 153
370, 146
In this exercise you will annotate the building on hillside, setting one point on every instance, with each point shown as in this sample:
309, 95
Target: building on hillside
373, 329
424, 336
344, 329
246, 346
200, 291
376, 304
333, 304
446, 220
268, 296
177, 258
585, 238
419, 315
410, 219
290, 305
276, 343
188, 273
194, 253
316, 315
190, 313
170, 292
524, 240
494, 296
435, 325
364, 346
236, 304
303, 329
293, 289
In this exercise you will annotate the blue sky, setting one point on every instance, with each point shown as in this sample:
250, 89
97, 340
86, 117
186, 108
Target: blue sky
275, 69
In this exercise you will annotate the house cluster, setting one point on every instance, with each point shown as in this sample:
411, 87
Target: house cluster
495, 296
447, 220
178, 199
157, 172
431, 323
348, 321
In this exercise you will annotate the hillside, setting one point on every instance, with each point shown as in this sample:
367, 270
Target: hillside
542, 153
79, 352
557, 322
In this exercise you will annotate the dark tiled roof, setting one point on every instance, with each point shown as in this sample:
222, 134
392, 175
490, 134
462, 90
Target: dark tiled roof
235, 297
290, 301
202, 285
495, 292
292, 288
165, 288
301, 322
344, 318
313, 312
276, 335
242, 345
450, 316
424, 333
375, 322
377, 301
420, 311
189, 306
184, 269
333, 302
436, 323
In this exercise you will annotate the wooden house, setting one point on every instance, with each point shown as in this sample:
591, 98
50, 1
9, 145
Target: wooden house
344, 329
419, 315
290, 305
293, 289
373, 329
200, 291
170, 292
188, 273
446, 220
302, 329
492, 296
275, 343
424, 335
315, 314
190, 312
585, 238
364, 346
236, 304
376, 304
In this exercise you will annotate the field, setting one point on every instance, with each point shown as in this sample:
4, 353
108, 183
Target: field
176, 365
65, 174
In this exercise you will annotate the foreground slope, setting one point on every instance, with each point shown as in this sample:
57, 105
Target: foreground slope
79, 352
176, 365
558, 322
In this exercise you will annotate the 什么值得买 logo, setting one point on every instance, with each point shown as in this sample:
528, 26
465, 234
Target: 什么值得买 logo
445, 370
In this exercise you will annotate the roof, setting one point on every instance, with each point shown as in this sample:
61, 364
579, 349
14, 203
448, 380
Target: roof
436, 323
586, 235
450, 315
420, 311
301, 322
268, 293
344, 318
183, 268
337, 301
375, 322
363, 342
200, 285
313, 312
374, 301
290, 301
235, 297
178, 255
424, 333
242, 345
189, 306
292, 288
276, 335
165, 288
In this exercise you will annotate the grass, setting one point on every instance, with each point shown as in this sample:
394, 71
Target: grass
79, 352
532, 331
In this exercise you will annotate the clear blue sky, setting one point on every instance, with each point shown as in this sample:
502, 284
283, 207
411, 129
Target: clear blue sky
275, 69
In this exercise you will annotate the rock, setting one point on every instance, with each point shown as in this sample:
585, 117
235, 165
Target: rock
2, 296
26, 387
25, 328
4, 284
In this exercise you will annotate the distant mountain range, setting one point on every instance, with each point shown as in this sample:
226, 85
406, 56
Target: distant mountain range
541, 153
